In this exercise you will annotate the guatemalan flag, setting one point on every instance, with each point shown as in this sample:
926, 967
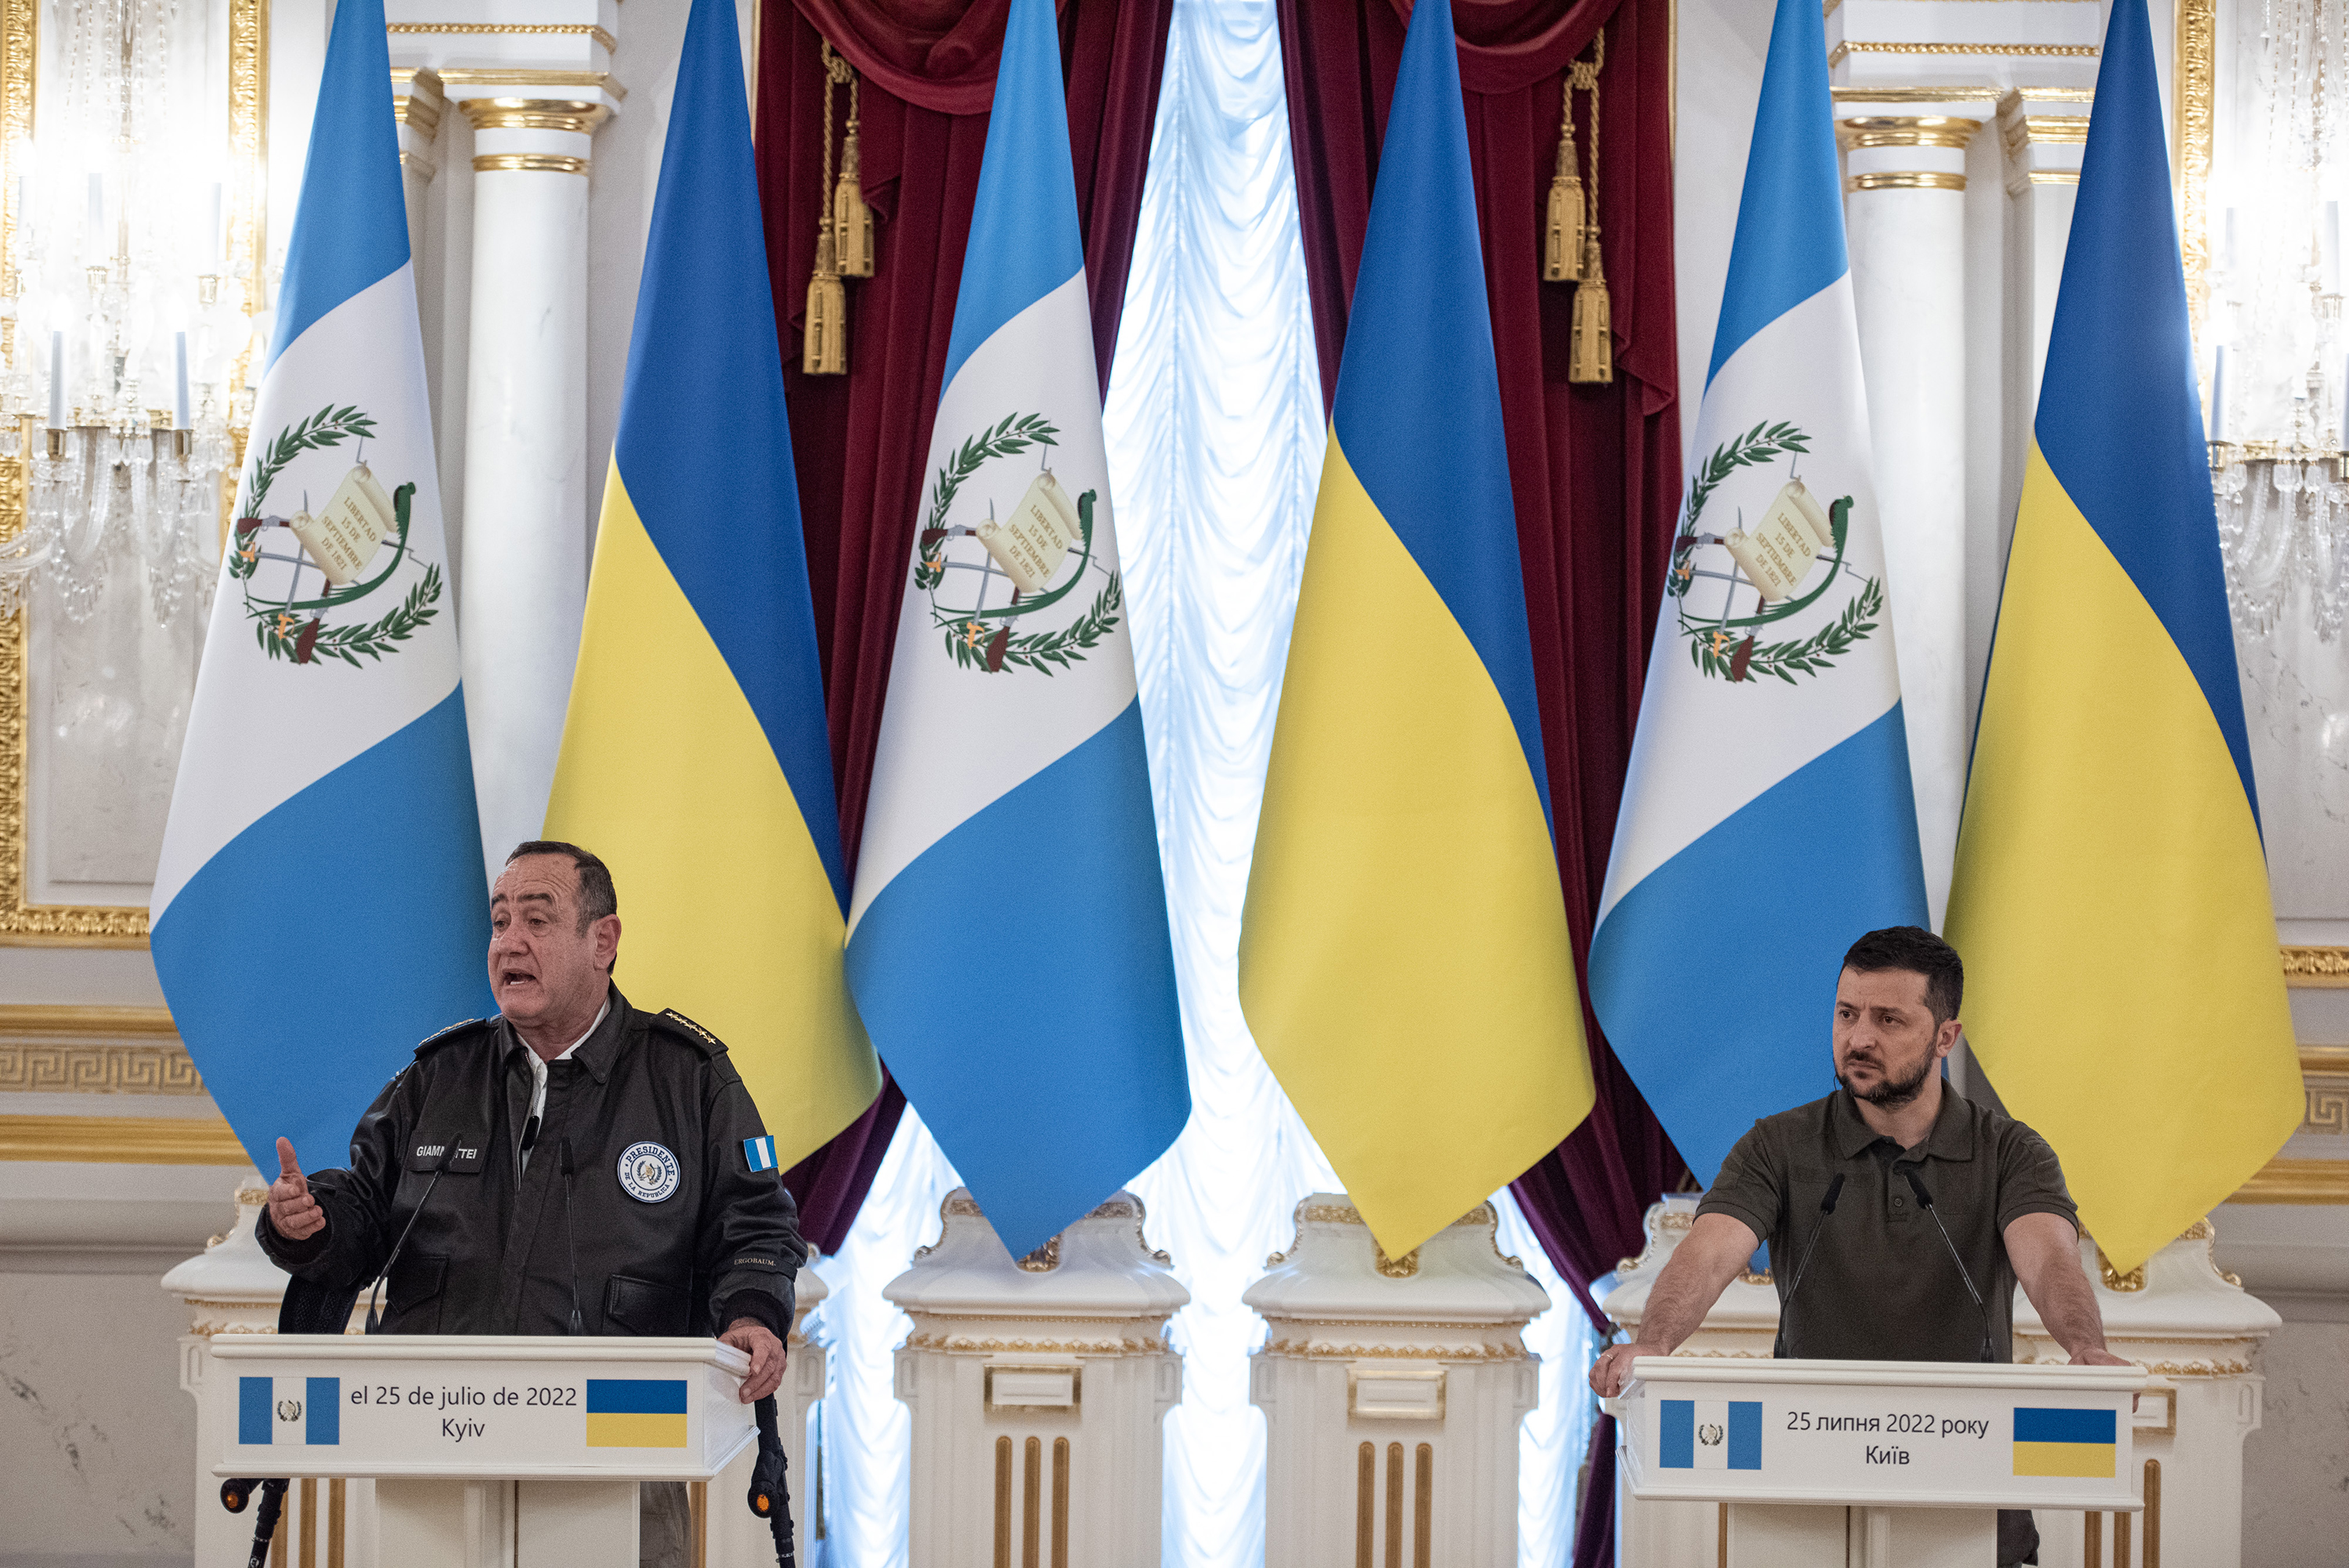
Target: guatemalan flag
1768, 819
319, 905
1007, 942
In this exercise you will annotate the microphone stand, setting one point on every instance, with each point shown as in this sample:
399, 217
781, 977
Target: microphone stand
375, 1316
1826, 1207
1925, 1201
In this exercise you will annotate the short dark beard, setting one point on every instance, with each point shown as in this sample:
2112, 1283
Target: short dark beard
1893, 1093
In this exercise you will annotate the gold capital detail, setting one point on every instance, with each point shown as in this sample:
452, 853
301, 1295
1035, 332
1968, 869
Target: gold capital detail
574, 115
1906, 131
542, 29
529, 163
2313, 967
1906, 180
2196, 70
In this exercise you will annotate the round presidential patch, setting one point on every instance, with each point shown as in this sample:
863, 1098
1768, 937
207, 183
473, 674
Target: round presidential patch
648, 1172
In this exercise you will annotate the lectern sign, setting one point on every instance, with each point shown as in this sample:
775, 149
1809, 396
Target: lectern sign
470, 1405
1917, 1434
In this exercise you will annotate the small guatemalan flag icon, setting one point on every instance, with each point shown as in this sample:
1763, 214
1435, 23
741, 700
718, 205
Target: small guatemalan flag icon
761, 1152
292, 1411
1709, 1434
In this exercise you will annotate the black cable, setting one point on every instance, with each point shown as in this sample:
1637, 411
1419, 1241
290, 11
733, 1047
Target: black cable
571, 1236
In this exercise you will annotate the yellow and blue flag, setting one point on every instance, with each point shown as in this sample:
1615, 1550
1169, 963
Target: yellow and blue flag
635, 1412
2111, 892
1404, 959
2065, 1442
694, 757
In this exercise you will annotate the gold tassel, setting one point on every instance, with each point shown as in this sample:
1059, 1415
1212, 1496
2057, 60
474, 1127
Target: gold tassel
825, 351
1562, 236
852, 220
1592, 357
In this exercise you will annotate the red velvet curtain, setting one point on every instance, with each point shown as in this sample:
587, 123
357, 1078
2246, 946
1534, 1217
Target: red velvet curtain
928, 70
1595, 467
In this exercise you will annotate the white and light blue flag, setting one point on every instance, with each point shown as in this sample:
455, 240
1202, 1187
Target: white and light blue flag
319, 906
1768, 818
291, 1412
1007, 941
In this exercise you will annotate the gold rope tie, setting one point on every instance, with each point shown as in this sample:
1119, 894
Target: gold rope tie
1592, 357
825, 349
852, 220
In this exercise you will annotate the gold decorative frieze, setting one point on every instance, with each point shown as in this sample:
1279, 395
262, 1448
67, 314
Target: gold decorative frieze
97, 1070
524, 29
2195, 70
1837, 54
2297, 1181
1320, 1352
1905, 180
121, 1141
2325, 1075
2322, 968
1976, 94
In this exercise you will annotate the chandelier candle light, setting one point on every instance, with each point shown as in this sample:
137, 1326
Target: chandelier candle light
145, 346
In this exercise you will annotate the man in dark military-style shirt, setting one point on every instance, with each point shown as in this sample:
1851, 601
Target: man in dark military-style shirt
1881, 1285
594, 1164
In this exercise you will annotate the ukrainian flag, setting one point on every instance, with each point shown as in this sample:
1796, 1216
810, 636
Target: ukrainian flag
2111, 892
1403, 955
2065, 1442
637, 1412
695, 758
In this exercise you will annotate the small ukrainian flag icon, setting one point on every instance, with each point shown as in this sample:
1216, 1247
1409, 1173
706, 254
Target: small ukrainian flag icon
635, 1412
2064, 1442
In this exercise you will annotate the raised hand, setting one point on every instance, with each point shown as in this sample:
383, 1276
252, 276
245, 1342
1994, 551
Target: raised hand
294, 1214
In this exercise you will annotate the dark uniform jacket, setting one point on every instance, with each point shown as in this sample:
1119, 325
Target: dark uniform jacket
675, 1233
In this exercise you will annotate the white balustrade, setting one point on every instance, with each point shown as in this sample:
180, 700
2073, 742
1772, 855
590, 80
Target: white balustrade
1037, 1387
1393, 1390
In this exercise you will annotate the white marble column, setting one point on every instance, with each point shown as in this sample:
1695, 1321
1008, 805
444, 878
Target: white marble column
1904, 212
525, 538
416, 104
2045, 131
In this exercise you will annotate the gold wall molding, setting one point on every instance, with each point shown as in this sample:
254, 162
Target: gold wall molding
121, 1141
528, 163
1906, 131
574, 115
2297, 1181
1917, 95
420, 105
45, 1021
2044, 129
1905, 180
1837, 54
2325, 1075
2195, 134
93, 1050
538, 29
2322, 968
2051, 177
506, 77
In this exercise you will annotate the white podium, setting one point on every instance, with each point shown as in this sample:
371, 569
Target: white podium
487, 1450
1873, 1464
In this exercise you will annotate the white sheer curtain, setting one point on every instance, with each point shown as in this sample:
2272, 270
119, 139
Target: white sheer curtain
1215, 430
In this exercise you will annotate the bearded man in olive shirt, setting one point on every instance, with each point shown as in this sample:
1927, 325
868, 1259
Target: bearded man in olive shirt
1881, 1285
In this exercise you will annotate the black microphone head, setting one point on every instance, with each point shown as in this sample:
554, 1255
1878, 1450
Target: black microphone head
1835, 1190
1917, 1185
564, 1150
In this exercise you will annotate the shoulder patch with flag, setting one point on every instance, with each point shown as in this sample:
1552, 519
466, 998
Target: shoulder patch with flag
760, 1152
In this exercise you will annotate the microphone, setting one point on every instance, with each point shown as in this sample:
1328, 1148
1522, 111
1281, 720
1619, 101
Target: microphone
570, 1235
1925, 1201
1826, 1207
529, 1139
439, 1166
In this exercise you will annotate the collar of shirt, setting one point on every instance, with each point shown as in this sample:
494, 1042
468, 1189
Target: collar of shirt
538, 1067
1951, 1138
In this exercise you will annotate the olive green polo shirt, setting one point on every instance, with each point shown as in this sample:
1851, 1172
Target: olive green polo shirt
1881, 1286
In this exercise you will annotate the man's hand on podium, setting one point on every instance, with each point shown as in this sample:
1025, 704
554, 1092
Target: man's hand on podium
292, 1212
1614, 1367
767, 1356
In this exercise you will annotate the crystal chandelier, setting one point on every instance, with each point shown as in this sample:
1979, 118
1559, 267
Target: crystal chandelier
132, 315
